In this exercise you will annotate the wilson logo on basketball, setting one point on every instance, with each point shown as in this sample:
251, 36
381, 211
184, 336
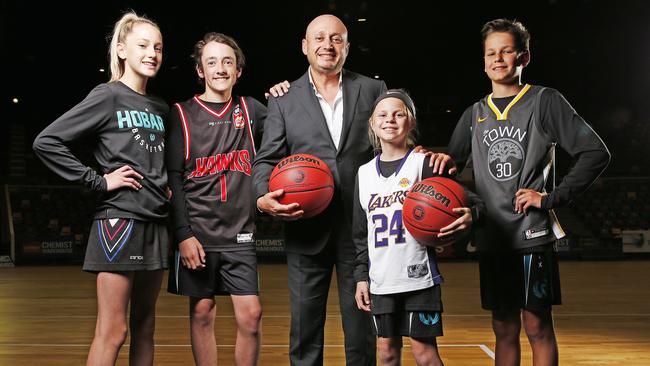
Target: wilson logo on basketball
297, 158
418, 213
429, 191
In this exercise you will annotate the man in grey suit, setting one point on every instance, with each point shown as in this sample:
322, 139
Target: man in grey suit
326, 114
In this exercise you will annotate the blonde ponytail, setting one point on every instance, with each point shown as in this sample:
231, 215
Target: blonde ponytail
122, 28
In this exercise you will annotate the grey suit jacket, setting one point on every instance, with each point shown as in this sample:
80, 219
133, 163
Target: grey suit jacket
295, 124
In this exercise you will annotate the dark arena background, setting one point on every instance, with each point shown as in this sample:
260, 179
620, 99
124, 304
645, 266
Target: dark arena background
596, 53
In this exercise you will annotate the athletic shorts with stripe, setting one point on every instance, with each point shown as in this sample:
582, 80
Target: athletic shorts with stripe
118, 245
225, 273
520, 280
416, 314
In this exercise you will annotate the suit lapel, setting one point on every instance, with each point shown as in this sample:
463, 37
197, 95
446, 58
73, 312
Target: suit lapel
309, 102
351, 89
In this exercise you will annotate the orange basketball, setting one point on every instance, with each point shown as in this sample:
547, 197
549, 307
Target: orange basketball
428, 207
306, 180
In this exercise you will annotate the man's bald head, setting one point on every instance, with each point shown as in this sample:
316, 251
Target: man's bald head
326, 20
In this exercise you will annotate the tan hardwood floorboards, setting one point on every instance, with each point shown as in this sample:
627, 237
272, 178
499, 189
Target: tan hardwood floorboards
47, 317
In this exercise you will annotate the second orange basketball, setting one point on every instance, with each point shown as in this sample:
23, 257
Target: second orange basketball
428, 207
306, 180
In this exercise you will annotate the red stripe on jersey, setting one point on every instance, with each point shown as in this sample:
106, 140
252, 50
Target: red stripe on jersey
248, 123
186, 131
224, 189
219, 114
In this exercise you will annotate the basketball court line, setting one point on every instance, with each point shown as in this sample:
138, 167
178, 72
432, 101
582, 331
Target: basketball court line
487, 350
483, 347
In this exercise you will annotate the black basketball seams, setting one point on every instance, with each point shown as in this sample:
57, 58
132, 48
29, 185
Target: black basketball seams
452, 214
325, 204
284, 169
422, 229
461, 203
307, 190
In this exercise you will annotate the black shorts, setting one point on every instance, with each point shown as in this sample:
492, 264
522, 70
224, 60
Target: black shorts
118, 245
225, 273
415, 314
520, 280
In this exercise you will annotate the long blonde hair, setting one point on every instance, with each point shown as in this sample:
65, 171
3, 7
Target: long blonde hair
122, 28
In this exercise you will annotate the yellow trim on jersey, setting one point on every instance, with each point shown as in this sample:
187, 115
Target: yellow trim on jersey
503, 116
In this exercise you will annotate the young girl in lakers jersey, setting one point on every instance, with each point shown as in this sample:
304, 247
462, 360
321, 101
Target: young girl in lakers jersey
395, 273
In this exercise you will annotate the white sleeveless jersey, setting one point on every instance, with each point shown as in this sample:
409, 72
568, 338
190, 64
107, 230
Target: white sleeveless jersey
397, 262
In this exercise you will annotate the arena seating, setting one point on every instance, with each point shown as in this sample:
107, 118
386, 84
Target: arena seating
595, 221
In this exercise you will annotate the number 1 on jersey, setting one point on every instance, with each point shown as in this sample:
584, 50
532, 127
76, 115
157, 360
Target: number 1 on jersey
224, 189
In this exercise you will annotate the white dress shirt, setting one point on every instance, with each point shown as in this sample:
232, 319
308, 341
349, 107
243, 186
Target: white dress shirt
333, 115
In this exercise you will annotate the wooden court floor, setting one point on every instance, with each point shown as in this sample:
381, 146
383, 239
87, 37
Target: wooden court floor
47, 317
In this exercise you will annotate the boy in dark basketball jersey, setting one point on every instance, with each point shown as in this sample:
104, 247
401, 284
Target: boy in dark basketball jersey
511, 135
211, 147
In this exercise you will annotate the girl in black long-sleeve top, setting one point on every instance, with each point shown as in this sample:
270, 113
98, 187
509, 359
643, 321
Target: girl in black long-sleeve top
128, 242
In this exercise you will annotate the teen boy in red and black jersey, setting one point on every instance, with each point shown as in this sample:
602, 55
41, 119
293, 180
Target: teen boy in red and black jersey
217, 152
210, 150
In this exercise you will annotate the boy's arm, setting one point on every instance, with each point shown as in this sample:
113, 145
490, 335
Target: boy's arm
475, 209
563, 124
477, 206
174, 161
360, 236
460, 144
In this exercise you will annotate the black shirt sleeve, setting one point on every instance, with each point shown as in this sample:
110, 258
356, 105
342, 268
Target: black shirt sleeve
565, 127
359, 236
460, 144
427, 171
258, 117
83, 120
175, 161
477, 206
